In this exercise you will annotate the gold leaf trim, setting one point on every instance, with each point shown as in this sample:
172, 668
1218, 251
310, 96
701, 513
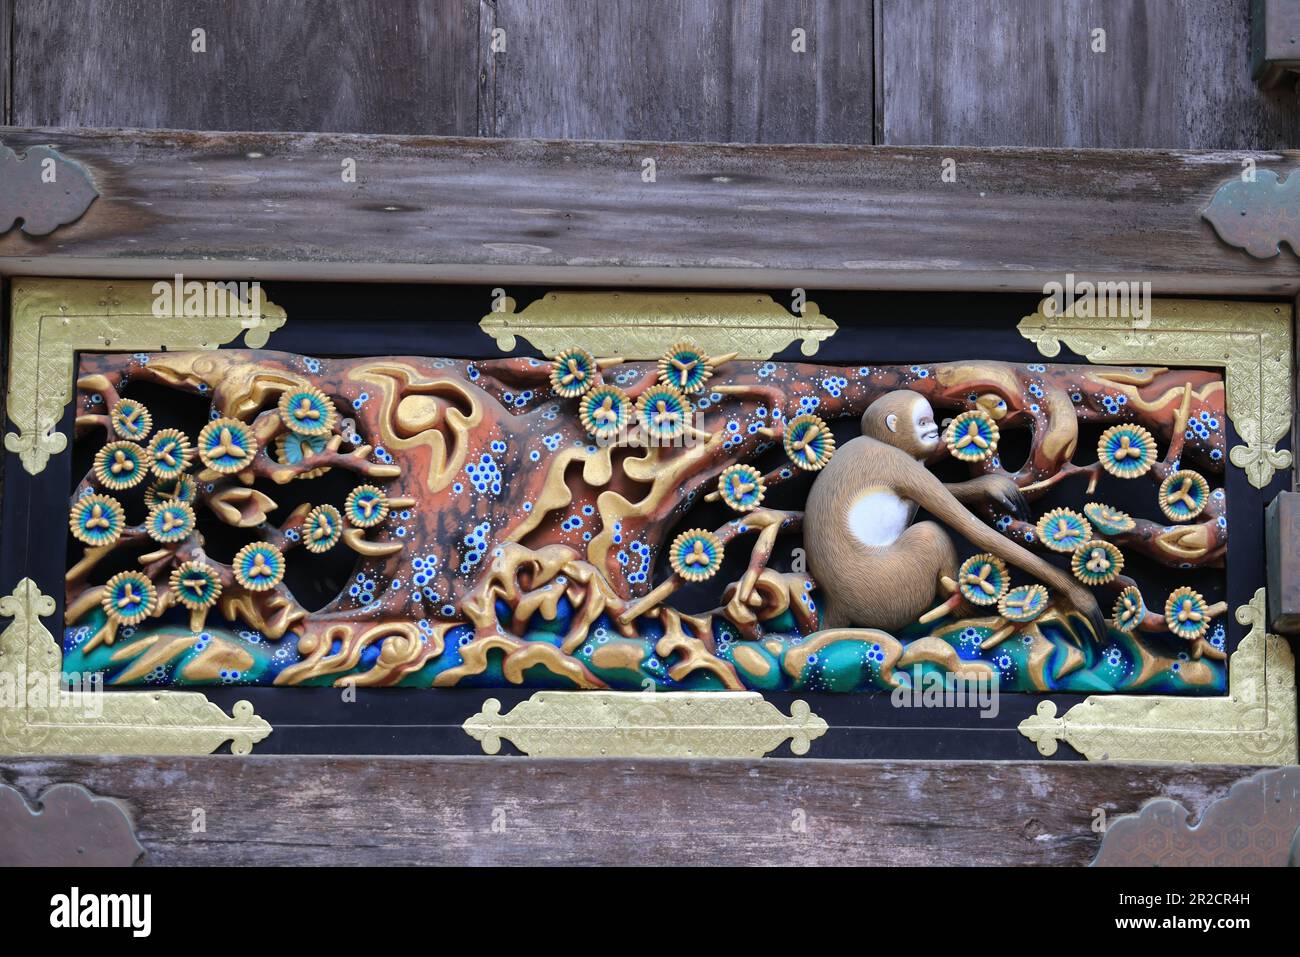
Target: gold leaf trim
41, 720
53, 319
678, 724
645, 325
1250, 341
1254, 724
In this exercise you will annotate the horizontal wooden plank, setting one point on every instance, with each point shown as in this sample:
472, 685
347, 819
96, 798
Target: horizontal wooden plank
372, 66
384, 811
275, 205
1028, 73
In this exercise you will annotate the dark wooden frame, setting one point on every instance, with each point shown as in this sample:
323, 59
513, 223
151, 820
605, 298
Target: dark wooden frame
563, 213
316, 721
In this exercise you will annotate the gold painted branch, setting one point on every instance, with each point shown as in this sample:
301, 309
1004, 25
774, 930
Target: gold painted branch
53, 319
1251, 341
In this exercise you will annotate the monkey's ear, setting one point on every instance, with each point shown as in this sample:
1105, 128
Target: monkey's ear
891, 422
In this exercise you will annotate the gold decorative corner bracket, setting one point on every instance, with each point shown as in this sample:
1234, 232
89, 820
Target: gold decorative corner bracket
1254, 724
1250, 341
665, 724
53, 319
39, 716
645, 325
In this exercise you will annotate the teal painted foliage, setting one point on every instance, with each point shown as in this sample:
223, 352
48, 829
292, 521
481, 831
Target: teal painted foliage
782, 660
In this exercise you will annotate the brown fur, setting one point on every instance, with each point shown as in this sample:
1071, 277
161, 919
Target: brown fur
890, 586
901, 404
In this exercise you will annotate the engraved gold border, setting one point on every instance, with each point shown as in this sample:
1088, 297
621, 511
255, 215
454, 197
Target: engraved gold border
1255, 723
37, 717
52, 320
644, 325
1251, 341
630, 724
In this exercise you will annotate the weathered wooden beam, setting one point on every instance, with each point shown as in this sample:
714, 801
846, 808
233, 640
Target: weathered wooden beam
277, 810
276, 205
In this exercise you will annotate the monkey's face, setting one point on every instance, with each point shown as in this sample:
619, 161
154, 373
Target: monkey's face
904, 420
926, 429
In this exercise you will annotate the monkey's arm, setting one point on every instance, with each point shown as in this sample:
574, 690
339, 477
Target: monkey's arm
1000, 491
920, 485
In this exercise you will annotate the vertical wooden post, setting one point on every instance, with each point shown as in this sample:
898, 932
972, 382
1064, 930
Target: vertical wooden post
1274, 41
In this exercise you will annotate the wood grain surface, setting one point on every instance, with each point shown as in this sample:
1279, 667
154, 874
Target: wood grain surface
975, 73
275, 205
713, 70
1023, 73
483, 810
374, 66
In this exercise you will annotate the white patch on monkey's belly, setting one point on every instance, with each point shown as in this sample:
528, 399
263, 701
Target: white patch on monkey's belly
879, 516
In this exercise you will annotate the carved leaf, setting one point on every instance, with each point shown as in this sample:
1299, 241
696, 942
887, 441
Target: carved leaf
241, 507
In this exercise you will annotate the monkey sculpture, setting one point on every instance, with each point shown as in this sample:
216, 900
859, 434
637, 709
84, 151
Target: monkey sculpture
875, 568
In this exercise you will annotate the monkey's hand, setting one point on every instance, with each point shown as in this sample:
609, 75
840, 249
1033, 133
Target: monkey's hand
1006, 494
1081, 600
1000, 491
